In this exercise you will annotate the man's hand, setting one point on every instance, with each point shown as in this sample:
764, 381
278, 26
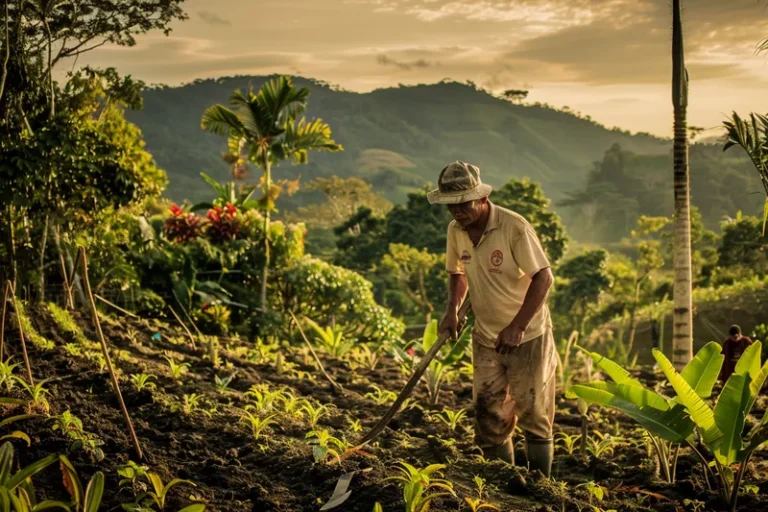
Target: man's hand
450, 323
509, 337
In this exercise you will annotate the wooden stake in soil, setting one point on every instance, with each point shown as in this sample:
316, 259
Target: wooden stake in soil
123, 311
184, 326
6, 289
84, 260
317, 359
17, 311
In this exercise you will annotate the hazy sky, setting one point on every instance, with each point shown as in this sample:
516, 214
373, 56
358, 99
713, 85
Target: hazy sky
606, 58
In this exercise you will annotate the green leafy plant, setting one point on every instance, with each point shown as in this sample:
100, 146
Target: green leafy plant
85, 500
16, 488
367, 357
131, 473
594, 490
567, 443
223, 382
324, 445
7, 377
177, 369
257, 424
72, 427
381, 396
355, 425
331, 339
157, 495
439, 367
264, 400
190, 403
314, 413
600, 444
476, 504
452, 418
141, 381
672, 421
418, 484
37, 402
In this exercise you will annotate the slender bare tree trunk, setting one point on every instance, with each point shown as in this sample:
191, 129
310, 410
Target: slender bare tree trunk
64, 274
7, 52
43, 243
682, 337
265, 274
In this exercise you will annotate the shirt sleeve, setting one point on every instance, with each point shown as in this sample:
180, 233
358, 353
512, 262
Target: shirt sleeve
528, 252
453, 263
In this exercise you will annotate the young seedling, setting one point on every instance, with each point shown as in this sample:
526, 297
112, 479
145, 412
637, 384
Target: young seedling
452, 418
381, 396
417, 484
141, 381
355, 424
325, 445
601, 444
158, 495
37, 402
191, 403
223, 382
7, 378
72, 427
566, 442
315, 413
257, 424
476, 504
263, 399
293, 405
177, 369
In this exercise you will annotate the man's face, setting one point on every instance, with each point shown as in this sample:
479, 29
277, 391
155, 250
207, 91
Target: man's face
467, 213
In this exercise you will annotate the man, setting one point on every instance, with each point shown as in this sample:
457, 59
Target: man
733, 347
496, 255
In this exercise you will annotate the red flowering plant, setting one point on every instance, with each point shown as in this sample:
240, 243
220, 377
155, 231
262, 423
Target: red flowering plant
224, 223
182, 226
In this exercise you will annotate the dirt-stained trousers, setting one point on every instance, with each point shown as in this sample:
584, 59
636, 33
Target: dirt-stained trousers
515, 388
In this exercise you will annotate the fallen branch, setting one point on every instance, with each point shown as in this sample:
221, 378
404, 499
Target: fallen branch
94, 312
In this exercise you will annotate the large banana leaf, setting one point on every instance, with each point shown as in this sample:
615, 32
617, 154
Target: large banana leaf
756, 385
457, 352
729, 416
430, 336
702, 371
672, 424
700, 412
618, 374
749, 362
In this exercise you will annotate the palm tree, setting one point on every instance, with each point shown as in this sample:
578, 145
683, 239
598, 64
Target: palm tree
752, 136
682, 333
263, 129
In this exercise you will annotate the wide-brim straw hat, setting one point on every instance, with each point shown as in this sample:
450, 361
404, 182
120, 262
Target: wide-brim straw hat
459, 182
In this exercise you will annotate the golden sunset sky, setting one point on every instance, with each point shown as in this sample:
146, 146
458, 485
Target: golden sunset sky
609, 59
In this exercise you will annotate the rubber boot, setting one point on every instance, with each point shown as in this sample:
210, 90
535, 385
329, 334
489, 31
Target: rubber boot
540, 453
505, 452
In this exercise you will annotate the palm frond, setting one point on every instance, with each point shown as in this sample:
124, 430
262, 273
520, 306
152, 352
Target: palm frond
220, 120
282, 100
752, 136
304, 136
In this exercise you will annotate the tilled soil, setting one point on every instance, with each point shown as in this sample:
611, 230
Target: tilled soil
232, 471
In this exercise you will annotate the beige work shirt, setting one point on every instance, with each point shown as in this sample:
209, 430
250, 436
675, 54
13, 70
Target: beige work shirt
499, 270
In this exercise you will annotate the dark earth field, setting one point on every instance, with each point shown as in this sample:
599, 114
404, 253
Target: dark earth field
206, 442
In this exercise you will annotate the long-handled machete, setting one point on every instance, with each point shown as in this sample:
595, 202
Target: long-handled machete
408, 388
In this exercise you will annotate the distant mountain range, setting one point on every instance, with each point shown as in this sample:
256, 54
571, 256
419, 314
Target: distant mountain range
398, 139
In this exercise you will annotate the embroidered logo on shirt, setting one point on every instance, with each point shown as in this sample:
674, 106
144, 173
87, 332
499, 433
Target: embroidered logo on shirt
465, 257
497, 258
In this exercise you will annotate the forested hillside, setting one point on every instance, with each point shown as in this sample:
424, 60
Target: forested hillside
397, 139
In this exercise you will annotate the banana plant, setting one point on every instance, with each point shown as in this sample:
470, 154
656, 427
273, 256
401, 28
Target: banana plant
439, 368
672, 421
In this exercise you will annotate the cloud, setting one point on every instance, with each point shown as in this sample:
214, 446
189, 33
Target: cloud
407, 66
212, 18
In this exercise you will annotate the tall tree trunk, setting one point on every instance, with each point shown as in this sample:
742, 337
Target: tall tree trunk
265, 274
75, 277
43, 243
682, 337
7, 52
64, 273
